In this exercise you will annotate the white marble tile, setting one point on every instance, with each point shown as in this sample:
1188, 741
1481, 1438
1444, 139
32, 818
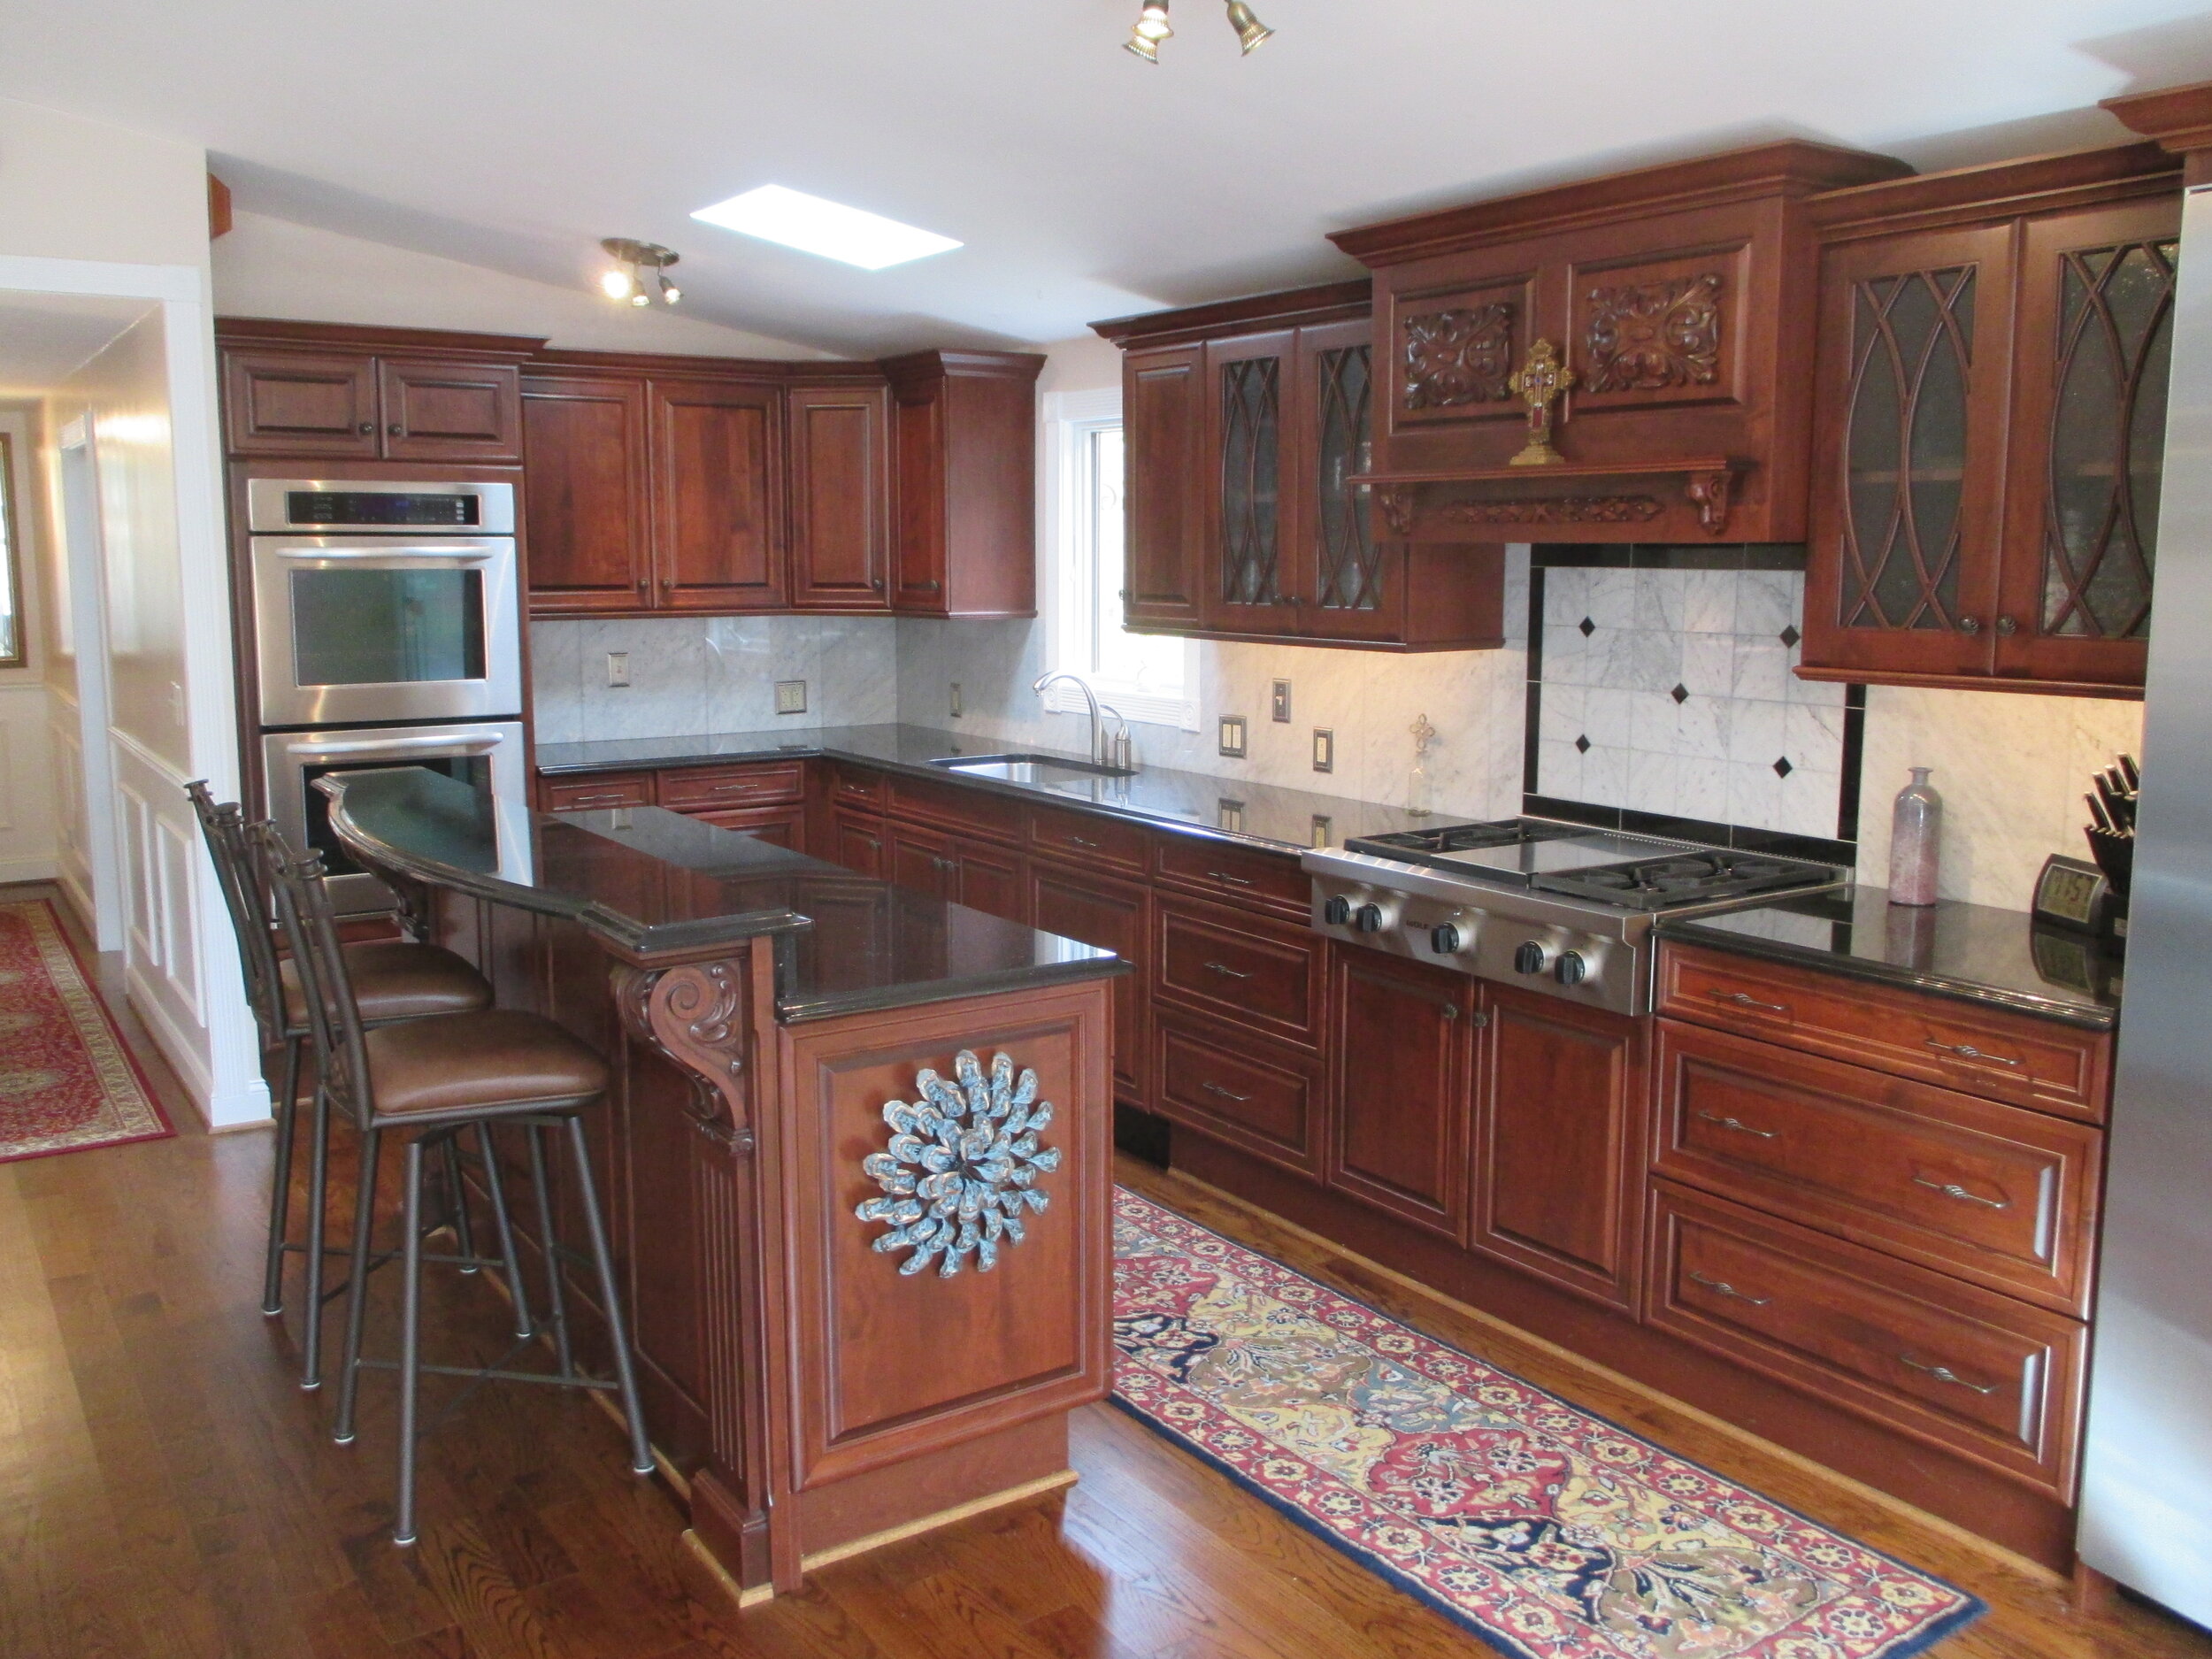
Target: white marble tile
1560, 713
1605, 775
1709, 601
1608, 715
1700, 790
1559, 771
1702, 727
1651, 781
1613, 598
1643, 661
1754, 795
1758, 731
1651, 722
1806, 802
1762, 670
1566, 596
1709, 661
1659, 600
1767, 602
1814, 737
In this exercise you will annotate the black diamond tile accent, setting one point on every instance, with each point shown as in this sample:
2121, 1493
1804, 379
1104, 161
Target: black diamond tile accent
1587, 626
1583, 744
1790, 636
1782, 767
1680, 694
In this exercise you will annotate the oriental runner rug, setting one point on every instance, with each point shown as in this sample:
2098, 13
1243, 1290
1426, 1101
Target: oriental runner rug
66, 1082
1546, 1532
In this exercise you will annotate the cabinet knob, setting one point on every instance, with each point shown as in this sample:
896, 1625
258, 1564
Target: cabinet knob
1969, 625
367, 426
2007, 626
395, 429
877, 583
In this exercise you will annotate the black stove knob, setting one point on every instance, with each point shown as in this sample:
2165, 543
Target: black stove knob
1337, 911
1443, 939
1529, 958
1570, 969
1368, 918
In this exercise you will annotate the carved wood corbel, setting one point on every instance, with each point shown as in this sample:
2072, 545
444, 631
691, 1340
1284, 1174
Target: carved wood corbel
1399, 508
1711, 491
694, 1015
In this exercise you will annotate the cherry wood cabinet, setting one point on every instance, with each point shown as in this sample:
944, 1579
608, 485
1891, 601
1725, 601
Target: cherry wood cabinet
1257, 1096
1247, 425
1239, 970
718, 542
964, 427
315, 390
840, 469
1401, 1058
1114, 915
1991, 386
586, 496
974, 873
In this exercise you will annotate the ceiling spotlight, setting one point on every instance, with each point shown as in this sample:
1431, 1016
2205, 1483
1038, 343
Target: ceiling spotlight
1150, 50
627, 281
1250, 31
1152, 23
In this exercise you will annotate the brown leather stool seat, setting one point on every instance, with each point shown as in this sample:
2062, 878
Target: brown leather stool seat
395, 981
478, 1063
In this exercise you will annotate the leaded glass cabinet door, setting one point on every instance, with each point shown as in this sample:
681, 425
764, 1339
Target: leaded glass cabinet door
1341, 576
1251, 384
1909, 458
2088, 443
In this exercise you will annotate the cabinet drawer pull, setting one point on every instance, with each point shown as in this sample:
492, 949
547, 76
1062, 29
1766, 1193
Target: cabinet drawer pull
1944, 1374
597, 800
1727, 1289
945, 864
735, 788
1738, 1122
1077, 841
1225, 971
1234, 881
1225, 1094
1968, 1051
1743, 999
1952, 1190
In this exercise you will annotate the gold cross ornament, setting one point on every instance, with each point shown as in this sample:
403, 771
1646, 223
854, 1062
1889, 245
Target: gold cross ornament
1538, 383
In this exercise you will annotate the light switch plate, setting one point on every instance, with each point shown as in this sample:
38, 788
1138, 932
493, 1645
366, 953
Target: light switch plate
955, 710
791, 696
1230, 815
1324, 750
1232, 736
1323, 828
1281, 706
617, 668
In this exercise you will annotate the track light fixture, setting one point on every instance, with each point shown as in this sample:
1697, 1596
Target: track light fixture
639, 270
1151, 27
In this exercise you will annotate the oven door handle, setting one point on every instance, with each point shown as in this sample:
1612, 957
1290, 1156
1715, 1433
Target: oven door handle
455, 742
456, 554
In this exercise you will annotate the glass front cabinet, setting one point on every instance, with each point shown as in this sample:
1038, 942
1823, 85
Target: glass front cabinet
1990, 424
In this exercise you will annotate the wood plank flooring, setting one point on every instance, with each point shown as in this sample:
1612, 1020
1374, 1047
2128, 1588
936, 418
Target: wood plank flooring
167, 1491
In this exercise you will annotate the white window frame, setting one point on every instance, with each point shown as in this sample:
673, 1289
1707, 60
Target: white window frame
1070, 418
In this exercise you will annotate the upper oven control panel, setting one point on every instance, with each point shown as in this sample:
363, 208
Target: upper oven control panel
353, 506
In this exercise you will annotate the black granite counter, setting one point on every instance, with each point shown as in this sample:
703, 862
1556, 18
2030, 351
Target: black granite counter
1977, 952
652, 882
1228, 808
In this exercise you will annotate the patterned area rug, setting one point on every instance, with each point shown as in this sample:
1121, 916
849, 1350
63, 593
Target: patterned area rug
66, 1082
1546, 1532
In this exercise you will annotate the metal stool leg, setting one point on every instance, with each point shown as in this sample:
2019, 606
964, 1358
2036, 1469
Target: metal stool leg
511, 1263
463, 1231
317, 1206
610, 1297
281, 1180
410, 1347
358, 1287
557, 1300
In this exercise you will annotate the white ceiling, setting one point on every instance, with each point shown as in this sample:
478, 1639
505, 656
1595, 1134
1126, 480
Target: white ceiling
44, 337
516, 133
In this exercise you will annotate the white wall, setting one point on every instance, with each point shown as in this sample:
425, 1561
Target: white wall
272, 267
78, 190
26, 794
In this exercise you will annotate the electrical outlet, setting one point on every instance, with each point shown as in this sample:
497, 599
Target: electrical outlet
1324, 827
618, 669
1280, 706
955, 710
791, 696
1232, 736
1324, 750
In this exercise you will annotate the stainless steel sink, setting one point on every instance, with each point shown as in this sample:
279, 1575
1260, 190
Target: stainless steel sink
1050, 771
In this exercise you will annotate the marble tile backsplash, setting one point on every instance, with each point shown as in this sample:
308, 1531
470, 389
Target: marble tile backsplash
1672, 691
695, 674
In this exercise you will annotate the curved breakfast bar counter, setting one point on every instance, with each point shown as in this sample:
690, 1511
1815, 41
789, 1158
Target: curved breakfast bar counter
809, 1392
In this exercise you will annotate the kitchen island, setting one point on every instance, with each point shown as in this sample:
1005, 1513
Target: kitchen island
815, 1383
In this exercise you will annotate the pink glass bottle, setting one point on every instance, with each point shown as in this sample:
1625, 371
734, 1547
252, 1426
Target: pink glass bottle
1915, 831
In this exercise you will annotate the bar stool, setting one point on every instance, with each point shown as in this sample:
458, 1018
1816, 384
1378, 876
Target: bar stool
394, 979
426, 1081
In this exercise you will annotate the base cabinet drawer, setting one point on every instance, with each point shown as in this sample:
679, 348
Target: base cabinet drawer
722, 789
1222, 1084
1261, 975
1946, 1362
782, 826
2000, 1195
2001, 1056
589, 794
1245, 879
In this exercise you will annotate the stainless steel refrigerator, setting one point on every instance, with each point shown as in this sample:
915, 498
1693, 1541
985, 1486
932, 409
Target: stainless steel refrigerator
2146, 1480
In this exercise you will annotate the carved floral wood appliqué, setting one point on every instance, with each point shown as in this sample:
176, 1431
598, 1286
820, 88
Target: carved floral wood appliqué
1653, 336
1459, 356
962, 1166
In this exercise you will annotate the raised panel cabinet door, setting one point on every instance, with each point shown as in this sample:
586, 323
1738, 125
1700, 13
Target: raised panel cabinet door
1559, 1133
921, 859
584, 500
994, 881
718, 542
857, 843
1251, 445
918, 560
1912, 381
299, 402
2088, 442
449, 411
1099, 911
840, 496
1163, 419
1401, 1037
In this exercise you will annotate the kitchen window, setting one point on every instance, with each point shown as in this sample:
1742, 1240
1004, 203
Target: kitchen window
1147, 677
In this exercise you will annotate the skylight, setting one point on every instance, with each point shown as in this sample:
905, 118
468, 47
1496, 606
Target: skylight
829, 228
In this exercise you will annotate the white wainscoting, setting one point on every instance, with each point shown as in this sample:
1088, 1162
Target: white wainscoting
26, 813
72, 854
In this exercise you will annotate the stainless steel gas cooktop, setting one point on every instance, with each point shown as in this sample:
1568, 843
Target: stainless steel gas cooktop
1559, 908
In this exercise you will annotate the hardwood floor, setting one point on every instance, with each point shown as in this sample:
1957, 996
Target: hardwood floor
167, 1490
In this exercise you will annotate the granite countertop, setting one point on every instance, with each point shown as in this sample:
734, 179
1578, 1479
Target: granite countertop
1256, 814
652, 881
1977, 952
